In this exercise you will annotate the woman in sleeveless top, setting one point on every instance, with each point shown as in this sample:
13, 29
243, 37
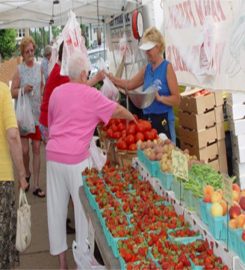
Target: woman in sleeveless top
160, 112
29, 77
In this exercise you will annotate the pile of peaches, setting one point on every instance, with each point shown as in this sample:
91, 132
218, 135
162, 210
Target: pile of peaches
219, 206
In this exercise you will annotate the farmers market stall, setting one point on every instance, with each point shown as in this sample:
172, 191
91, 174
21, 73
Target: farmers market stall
143, 209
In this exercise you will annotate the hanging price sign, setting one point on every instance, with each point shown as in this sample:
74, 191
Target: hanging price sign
180, 164
227, 188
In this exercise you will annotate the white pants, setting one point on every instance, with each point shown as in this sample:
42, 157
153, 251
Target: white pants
63, 181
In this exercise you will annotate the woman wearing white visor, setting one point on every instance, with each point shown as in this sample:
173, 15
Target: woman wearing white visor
160, 112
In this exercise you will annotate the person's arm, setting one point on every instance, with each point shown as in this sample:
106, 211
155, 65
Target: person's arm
13, 138
97, 78
136, 81
174, 98
121, 112
15, 86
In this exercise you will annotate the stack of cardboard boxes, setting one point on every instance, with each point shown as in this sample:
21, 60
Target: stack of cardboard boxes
235, 107
201, 128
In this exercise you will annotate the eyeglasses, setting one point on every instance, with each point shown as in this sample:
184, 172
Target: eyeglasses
29, 51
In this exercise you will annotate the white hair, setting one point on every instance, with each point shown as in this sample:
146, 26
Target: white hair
77, 63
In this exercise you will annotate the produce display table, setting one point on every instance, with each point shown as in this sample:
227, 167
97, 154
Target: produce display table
110, 261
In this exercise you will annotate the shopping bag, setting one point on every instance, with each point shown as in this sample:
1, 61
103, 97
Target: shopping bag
97, 155
109, 90
24, 114
73, 41
23, 234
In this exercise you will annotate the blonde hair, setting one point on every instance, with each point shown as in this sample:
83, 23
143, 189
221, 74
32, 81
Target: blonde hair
25, 42
154, 35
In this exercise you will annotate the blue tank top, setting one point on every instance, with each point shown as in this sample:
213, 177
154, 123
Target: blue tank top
160, 73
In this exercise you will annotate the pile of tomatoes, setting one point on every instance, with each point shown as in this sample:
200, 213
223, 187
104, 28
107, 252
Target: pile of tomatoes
128, 134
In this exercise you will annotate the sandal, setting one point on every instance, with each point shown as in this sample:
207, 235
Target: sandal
39, 193
28, 181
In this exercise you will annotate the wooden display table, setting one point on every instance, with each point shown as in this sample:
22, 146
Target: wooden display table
109, 259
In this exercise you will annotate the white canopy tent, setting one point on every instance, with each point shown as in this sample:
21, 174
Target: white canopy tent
38, 13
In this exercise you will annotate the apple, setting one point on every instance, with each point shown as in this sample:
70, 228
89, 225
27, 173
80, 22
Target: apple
216, 210
208, 190
234, 211
242, 202
224, 205
242, 193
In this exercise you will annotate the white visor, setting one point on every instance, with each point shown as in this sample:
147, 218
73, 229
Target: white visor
148, 45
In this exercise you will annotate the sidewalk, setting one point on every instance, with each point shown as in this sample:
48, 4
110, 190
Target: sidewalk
37, 256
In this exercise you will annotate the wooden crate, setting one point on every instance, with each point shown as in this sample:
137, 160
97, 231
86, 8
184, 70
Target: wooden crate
102, 136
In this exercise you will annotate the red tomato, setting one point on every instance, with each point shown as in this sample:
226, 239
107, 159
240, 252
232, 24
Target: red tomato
147, 124
130, 139
132, 147
148, 135
140, 127
131, 129
139, 136
116, 135
154, 132
123, 134
109, 133
114, 127
121, 127
121, 144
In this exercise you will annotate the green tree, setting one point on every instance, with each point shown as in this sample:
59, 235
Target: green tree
7, 43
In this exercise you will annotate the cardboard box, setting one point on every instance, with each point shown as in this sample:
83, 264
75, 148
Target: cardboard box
200, 139
236, 111
219, 114
223, 168
235, 98
219, 100
197, 121
237, 127
198, 104
205, 154
220, 130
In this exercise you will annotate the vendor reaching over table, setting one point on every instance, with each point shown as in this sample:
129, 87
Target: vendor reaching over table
74, 111
160, 112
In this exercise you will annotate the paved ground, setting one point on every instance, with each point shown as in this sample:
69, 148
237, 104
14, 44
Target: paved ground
37, 256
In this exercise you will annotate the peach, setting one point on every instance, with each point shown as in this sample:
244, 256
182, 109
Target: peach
232, 223
242, 202
224, 205
235, 195
242, 193
236, 187
234, 211
216, 197
208, 190
207, 198
216, 210
240, 220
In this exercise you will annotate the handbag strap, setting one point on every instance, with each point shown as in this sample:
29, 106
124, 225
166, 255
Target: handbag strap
22, 198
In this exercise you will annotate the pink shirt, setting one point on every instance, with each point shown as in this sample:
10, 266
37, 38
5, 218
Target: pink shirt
73, 114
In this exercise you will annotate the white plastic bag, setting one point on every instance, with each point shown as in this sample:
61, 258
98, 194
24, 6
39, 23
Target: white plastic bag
23, 233
73, 41
24, 114
97, 155
109, 90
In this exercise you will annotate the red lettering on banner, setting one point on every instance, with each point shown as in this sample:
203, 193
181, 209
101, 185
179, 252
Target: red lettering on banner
219, 8
199, 10
188, 11
209, 8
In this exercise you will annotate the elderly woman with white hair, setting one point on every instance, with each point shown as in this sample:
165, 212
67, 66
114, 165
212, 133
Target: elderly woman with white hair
75, 109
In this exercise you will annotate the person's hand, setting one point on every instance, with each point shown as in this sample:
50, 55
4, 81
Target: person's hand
23, 183
110, 76
158, 97
28, 88
100, 75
